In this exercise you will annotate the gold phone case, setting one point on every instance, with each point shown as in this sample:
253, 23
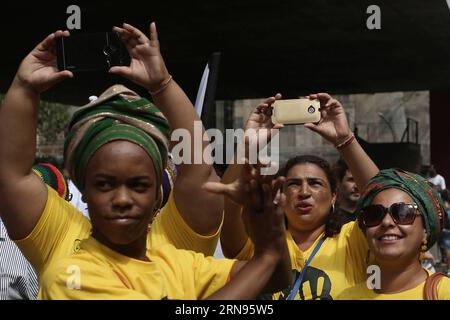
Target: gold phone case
296, 111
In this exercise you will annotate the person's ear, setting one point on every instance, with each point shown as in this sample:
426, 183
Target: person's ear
425, 236
333, 199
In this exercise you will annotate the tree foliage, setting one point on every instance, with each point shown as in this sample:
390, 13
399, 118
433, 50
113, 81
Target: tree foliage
53, 119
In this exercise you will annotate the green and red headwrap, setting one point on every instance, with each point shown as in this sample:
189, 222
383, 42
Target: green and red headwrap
427, 199
118, 114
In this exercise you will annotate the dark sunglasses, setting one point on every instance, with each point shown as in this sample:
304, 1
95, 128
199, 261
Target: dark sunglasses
402, 213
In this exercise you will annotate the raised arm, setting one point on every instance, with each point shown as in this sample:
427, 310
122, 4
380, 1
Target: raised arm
268, 271
334, 128
148, 69
234, 236
23, 195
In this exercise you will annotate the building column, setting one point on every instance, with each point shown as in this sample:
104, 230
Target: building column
440, 132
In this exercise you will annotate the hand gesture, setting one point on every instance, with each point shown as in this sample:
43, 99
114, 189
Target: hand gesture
263, 213
39, 71
235, 190
261, 118
333, 126
147, 67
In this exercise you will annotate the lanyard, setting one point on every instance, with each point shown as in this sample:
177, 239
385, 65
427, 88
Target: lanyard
300, 277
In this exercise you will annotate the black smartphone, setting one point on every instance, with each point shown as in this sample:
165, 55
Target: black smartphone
91, 52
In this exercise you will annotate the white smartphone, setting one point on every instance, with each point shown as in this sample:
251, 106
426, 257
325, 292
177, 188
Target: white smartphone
296, 111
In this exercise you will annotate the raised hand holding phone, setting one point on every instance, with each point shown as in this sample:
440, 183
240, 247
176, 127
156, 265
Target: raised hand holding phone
296, 111
38, 71
91, 52
147, 67
260, 118
333, 125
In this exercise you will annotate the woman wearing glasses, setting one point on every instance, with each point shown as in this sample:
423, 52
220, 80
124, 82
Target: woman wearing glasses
402, 217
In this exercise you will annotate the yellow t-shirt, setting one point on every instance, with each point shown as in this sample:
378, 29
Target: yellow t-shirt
61, 225
170, 227
94, 271
338, 265
362, 292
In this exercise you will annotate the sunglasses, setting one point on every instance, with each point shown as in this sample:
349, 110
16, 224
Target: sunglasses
402, 214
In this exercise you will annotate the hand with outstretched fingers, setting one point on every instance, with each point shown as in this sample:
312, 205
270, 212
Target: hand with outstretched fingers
147, 67
235, 191
333, 125
263, 213
261, 118
39, 70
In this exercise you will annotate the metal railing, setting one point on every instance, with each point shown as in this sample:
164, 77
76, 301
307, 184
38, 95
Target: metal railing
411, 130
387, 132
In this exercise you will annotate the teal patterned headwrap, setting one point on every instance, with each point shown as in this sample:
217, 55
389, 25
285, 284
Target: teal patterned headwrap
427, 199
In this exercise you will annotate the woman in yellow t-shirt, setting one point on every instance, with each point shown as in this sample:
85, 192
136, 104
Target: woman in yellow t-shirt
402, 216
326, 259
115, 151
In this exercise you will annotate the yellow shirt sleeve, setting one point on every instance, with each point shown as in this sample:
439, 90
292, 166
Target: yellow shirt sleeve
53, 236
246, 252
169, 227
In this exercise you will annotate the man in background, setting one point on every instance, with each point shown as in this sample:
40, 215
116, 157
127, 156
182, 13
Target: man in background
348, 193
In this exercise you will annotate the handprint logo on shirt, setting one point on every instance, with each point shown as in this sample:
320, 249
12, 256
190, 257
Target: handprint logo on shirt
316, 285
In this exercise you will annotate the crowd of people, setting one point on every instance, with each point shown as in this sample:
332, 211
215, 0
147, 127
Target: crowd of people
311, 231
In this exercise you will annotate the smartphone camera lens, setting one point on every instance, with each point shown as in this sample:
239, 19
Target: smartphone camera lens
311, 109
109, 50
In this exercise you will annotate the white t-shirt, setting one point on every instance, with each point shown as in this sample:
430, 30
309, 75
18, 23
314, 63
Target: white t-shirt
76, 200
438, 180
